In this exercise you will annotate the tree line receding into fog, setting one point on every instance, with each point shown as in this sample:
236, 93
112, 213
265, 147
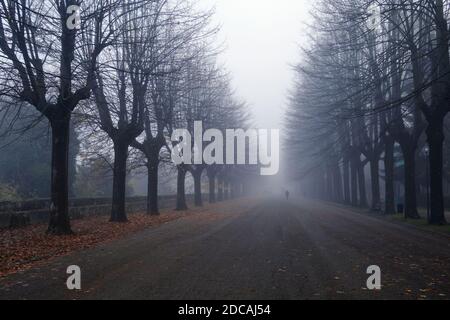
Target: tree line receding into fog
119, 83
374, 83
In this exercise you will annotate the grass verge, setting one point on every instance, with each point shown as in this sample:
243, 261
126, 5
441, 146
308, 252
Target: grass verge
421, 223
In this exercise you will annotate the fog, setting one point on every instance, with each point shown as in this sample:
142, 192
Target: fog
224, 149
262, 40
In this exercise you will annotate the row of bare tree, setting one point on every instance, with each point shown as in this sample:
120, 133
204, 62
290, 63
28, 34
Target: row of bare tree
376, 76
129, 71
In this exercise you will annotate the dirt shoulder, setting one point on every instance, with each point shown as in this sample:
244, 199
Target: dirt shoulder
24, 248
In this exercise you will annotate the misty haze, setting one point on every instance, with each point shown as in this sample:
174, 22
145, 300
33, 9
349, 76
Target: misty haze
203, 151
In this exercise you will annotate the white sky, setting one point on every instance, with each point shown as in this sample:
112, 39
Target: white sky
262, 39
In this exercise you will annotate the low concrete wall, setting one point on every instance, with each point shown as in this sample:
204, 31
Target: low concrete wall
16, 214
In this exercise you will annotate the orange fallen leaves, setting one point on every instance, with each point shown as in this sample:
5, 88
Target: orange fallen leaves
22, 248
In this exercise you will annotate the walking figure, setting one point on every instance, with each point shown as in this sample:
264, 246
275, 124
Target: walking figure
287, 195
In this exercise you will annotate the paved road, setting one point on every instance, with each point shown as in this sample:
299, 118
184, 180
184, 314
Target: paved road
277, 250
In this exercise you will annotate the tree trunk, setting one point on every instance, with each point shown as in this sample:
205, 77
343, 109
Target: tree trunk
118, 213
233, 190
152, 188
220, 190
329, 181
375, 182
59, 223
322, 184
354, 182
226, 192
240, 189
347, 196
245, 188
212, 187
181, 190
198, 199
338, 184
389, 178
409, 155
435, 137
362, 186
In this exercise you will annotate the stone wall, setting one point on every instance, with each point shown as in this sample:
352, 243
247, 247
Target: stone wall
16, 214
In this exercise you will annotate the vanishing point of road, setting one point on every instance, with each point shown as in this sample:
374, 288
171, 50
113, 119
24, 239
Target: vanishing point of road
271, 249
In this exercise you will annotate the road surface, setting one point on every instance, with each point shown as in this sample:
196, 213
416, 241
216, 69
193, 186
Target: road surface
276, 250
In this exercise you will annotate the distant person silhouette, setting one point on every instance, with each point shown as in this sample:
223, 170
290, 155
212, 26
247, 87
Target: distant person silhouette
287, 195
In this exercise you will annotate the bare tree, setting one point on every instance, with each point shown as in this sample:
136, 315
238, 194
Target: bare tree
49, 63
179, 29
381, 76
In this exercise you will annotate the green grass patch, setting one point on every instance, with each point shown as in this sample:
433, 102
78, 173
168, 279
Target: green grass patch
422, 223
